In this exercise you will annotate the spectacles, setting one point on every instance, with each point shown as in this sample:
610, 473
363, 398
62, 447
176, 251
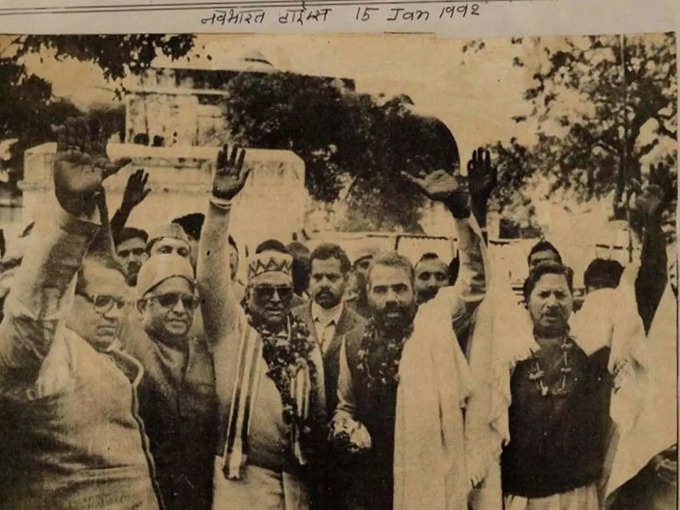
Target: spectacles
103, 303
171, 299
266, 292
137, 252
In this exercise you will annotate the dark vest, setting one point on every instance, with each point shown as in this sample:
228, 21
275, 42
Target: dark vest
78, 449
373, 480
557, 443
179, 407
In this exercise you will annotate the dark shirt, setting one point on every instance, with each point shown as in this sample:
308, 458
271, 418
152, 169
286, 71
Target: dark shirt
557, 443
373, 480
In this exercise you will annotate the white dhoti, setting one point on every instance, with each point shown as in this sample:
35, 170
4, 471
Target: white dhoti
581, 498
259, 489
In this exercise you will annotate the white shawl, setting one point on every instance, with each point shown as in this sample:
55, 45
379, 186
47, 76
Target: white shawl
434, 381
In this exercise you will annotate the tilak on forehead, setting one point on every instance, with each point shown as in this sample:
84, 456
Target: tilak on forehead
270, 263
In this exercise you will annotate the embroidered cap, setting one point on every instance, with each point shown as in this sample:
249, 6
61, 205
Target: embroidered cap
270, 262
159, 268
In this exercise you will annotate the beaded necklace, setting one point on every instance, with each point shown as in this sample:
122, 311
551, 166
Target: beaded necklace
537, 374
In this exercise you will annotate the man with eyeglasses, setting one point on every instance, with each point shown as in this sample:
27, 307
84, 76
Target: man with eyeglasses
177, 393
268, 369
71, 436
131, 251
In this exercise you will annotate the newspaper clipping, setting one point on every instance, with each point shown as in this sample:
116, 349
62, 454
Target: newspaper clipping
338, 271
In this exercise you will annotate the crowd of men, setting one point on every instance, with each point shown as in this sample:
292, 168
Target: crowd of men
136, 371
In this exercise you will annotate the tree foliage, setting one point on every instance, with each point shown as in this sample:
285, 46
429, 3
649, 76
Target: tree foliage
601, 93
605, 107
353, 145
116, 54
28, 107
27, 110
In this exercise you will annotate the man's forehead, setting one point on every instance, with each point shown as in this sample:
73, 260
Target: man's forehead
431, 265
133, 242
329, 265
389, 275
170, 241
103, 280
552, 280
543, 255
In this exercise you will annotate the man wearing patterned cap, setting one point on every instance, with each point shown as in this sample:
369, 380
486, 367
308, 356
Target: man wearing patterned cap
177, 393
269, 372
169, 238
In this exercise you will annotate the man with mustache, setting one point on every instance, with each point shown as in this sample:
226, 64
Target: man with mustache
71, 434
377, 417
268, 368
431, 274
330, 320
131, 251
177, 392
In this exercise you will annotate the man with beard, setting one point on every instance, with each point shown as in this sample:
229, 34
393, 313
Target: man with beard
384, 411
431, 274
131, 252
71, 436
177, 393
268, 368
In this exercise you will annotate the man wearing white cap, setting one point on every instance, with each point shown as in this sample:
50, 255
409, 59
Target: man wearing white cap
177, 393
268, 369
169, 238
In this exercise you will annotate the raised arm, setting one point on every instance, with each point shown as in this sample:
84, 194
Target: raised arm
218, 304
134, 194
36, 303
458, 194
653, 273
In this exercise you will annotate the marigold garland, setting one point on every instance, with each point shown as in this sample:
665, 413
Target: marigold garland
386, 377
286, 352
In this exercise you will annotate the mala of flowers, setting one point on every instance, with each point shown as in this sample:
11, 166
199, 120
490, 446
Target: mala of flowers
386, 375
537, 374
286, 353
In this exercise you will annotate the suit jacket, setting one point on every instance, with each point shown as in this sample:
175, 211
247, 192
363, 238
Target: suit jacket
349, 321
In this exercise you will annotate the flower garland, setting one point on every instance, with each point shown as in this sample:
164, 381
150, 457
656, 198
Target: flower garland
286, 352
537, 375
386, 376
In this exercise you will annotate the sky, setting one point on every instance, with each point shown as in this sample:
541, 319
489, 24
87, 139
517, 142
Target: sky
474, 94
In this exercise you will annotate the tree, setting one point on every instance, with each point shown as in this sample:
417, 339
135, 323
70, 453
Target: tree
353, 145
26, 112
603, 104
28, 107
605, 107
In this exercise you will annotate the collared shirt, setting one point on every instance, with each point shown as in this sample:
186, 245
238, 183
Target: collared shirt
325, 322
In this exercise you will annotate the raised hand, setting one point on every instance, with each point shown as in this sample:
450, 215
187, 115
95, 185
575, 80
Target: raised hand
80, 165
230, 175
442, 186
482, 176
135, 190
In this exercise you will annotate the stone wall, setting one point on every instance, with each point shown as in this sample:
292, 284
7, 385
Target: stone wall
272, 204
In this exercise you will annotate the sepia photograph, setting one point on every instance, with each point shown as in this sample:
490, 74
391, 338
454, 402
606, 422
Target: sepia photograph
344, 272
